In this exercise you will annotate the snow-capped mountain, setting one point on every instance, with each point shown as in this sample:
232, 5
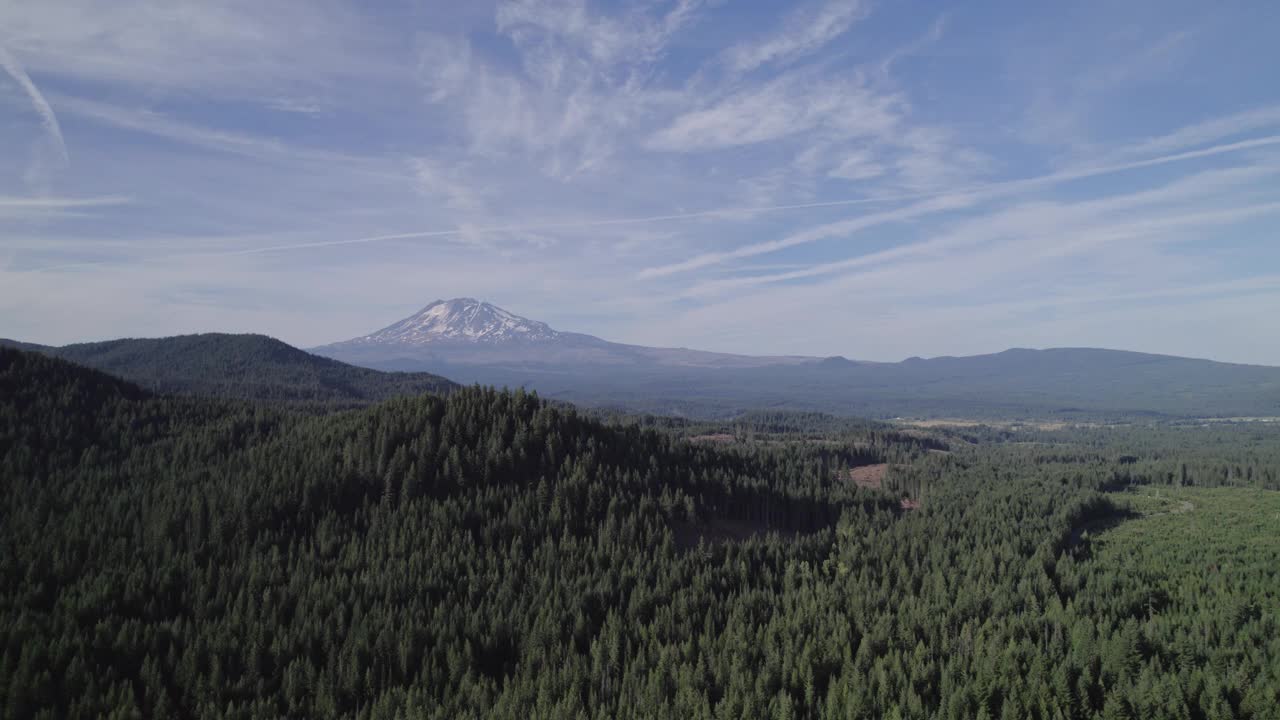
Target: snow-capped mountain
467, 332
461, 320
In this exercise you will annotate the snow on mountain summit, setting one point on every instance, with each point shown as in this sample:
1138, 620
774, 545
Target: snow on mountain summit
462, 332
462, 320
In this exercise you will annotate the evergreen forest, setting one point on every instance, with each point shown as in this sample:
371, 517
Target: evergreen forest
483, 553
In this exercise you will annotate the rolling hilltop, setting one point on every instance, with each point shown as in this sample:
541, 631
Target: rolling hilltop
472, 341
252, 367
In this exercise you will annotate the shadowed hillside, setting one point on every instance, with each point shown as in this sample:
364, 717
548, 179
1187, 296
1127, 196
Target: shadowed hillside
252, 367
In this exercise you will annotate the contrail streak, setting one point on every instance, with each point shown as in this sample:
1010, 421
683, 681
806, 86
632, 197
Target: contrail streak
990, 190
995, 188
578, 224
50, 121
1024, 183
54, 203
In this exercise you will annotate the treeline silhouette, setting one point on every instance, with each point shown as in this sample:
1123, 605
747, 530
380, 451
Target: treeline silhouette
242, 367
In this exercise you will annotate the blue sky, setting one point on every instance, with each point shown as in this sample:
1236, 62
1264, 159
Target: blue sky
870, 179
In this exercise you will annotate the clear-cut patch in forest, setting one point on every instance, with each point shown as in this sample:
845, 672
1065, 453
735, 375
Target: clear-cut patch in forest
713, 438
869, 476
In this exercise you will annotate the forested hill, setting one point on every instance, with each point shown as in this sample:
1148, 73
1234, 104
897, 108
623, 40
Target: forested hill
434, 552
486, 554
254, 367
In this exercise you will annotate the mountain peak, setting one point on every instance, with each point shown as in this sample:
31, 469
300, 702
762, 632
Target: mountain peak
462, 320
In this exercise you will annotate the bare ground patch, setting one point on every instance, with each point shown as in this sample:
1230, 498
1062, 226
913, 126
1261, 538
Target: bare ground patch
944, 423
869, 476
961, 423
713, 438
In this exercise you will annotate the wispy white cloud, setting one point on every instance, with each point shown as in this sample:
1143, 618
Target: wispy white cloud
915, 47
805, 31
954, 199
843, 126
582, 82
447, 183
35, 208
842, 228
226, 49
1209, 131
932, 159
858, 165
254, 147
301, 106
636, 38
56, 203
1001, 298
1016, 239
780, 109
147, 121
460, 196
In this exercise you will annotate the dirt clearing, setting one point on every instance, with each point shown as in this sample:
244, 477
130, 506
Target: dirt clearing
716, 438
869, 476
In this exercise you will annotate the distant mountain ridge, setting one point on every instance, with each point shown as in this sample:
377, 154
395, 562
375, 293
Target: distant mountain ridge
472, 341
250, 367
